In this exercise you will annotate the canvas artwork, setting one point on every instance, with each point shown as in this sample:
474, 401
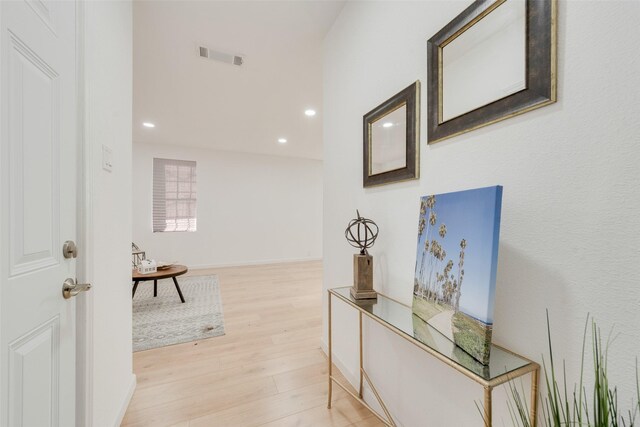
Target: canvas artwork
457, 258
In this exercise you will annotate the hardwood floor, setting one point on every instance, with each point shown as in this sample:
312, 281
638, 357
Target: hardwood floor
268, 370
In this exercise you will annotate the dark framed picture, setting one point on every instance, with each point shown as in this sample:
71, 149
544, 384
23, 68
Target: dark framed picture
495, 60
392, 139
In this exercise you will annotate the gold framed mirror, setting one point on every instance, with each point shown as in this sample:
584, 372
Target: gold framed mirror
495, 60
391, 139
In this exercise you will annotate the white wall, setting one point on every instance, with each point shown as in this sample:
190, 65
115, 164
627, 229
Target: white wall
108, 71
251, 208
570, 226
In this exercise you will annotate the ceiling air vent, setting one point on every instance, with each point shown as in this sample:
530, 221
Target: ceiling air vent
227, 58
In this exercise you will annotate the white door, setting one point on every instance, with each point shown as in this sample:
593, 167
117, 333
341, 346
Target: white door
38, 156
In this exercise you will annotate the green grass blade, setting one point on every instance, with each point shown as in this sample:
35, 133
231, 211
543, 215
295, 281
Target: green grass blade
578, 417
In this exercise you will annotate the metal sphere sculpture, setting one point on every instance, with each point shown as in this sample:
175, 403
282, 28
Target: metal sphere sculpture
361, 233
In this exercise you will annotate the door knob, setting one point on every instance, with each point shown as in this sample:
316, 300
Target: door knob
70, 288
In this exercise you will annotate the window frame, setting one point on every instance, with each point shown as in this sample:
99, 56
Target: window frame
185, 173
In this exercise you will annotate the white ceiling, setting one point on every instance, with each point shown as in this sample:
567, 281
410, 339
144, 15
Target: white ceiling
198, 102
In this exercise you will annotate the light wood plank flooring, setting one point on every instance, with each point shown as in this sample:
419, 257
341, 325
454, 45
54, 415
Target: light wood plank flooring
268, 370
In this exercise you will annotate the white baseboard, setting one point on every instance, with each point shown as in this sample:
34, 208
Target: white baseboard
248, 263
127, 400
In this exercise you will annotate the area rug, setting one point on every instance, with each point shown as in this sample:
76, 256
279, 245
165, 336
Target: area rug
164, 320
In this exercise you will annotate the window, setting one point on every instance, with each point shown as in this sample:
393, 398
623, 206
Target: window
174, 195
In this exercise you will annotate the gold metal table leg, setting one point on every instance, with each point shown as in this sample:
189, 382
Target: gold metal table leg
330, 369
535, 379
361, 364
487, 406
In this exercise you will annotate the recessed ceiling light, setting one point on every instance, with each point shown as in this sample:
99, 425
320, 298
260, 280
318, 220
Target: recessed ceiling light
148, 125
282, 140
387, 125
310, 113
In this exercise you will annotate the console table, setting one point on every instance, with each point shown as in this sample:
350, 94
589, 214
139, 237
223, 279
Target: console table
504, 365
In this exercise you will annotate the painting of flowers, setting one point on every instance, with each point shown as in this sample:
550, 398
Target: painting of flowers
457, 258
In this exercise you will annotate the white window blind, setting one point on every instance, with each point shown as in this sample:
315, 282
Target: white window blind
174, 195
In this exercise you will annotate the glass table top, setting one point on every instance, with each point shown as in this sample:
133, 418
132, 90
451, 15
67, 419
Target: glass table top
400, 316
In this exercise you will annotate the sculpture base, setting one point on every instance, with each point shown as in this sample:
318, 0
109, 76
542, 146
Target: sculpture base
363, 277
363, 294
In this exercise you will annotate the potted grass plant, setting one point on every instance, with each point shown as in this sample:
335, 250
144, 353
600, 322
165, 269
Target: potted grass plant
593, 404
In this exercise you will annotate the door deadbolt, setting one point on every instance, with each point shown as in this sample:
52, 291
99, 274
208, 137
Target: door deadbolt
69, 249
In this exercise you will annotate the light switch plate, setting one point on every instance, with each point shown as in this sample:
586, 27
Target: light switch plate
107, 158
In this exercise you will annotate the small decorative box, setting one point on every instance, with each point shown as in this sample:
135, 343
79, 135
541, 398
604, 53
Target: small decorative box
147, 266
